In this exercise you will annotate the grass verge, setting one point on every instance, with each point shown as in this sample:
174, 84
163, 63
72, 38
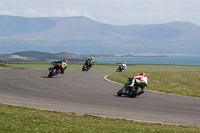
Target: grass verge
22, 119
180, 83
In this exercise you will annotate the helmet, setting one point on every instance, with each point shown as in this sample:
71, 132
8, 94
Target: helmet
124, 62
143, 74
64, 60
91, 57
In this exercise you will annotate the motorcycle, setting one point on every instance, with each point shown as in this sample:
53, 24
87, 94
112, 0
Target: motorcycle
132, 91
120, 68
86, 66
53, 70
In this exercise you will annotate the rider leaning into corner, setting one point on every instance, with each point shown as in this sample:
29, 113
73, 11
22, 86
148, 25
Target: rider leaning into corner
63, 65
124, 66
138, 80
90, 62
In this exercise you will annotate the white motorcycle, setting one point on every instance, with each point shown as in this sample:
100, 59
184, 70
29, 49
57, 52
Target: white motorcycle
121, 68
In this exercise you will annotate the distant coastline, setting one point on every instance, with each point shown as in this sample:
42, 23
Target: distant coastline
189, 60
45, 56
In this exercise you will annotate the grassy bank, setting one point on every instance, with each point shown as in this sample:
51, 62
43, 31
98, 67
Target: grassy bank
180, 83
22, 119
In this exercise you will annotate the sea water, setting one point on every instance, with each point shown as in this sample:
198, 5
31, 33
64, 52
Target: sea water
193, 60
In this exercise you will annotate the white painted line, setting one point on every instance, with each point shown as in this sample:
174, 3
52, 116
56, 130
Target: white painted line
105, 77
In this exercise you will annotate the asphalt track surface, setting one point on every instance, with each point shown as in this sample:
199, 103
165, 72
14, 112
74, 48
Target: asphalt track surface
89, 93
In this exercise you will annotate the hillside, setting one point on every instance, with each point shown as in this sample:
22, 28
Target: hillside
45, 56
14, 57
83, 35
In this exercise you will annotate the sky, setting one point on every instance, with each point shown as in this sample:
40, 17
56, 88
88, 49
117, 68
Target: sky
114, 12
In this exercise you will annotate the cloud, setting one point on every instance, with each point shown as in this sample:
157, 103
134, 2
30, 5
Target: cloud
70, 13
7, 12
31, 12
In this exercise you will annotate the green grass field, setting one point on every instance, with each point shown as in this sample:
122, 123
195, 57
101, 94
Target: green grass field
15, 119
164, 78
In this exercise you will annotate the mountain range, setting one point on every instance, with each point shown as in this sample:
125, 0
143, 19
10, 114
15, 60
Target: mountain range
84, 35
37, 56
41, 56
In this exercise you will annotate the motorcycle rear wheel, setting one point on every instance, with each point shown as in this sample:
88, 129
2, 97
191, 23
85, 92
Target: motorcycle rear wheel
133, 94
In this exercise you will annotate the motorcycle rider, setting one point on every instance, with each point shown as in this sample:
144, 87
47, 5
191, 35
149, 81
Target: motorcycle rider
124, 66
63, 65
90, 62
140, 80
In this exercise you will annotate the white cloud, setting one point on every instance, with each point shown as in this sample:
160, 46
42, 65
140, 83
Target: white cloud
70, 13
58, 13
7, 12
31, 12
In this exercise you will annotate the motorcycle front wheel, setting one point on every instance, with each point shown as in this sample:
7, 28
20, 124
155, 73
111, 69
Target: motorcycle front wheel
52, 73
83, 69
119, 93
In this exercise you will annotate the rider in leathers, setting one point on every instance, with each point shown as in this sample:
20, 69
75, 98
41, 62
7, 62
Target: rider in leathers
63, 65
124, 66
138, 80
90, 62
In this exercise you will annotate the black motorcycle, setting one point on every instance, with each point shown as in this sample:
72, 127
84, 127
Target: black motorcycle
86, 66
53, 70
134, 91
